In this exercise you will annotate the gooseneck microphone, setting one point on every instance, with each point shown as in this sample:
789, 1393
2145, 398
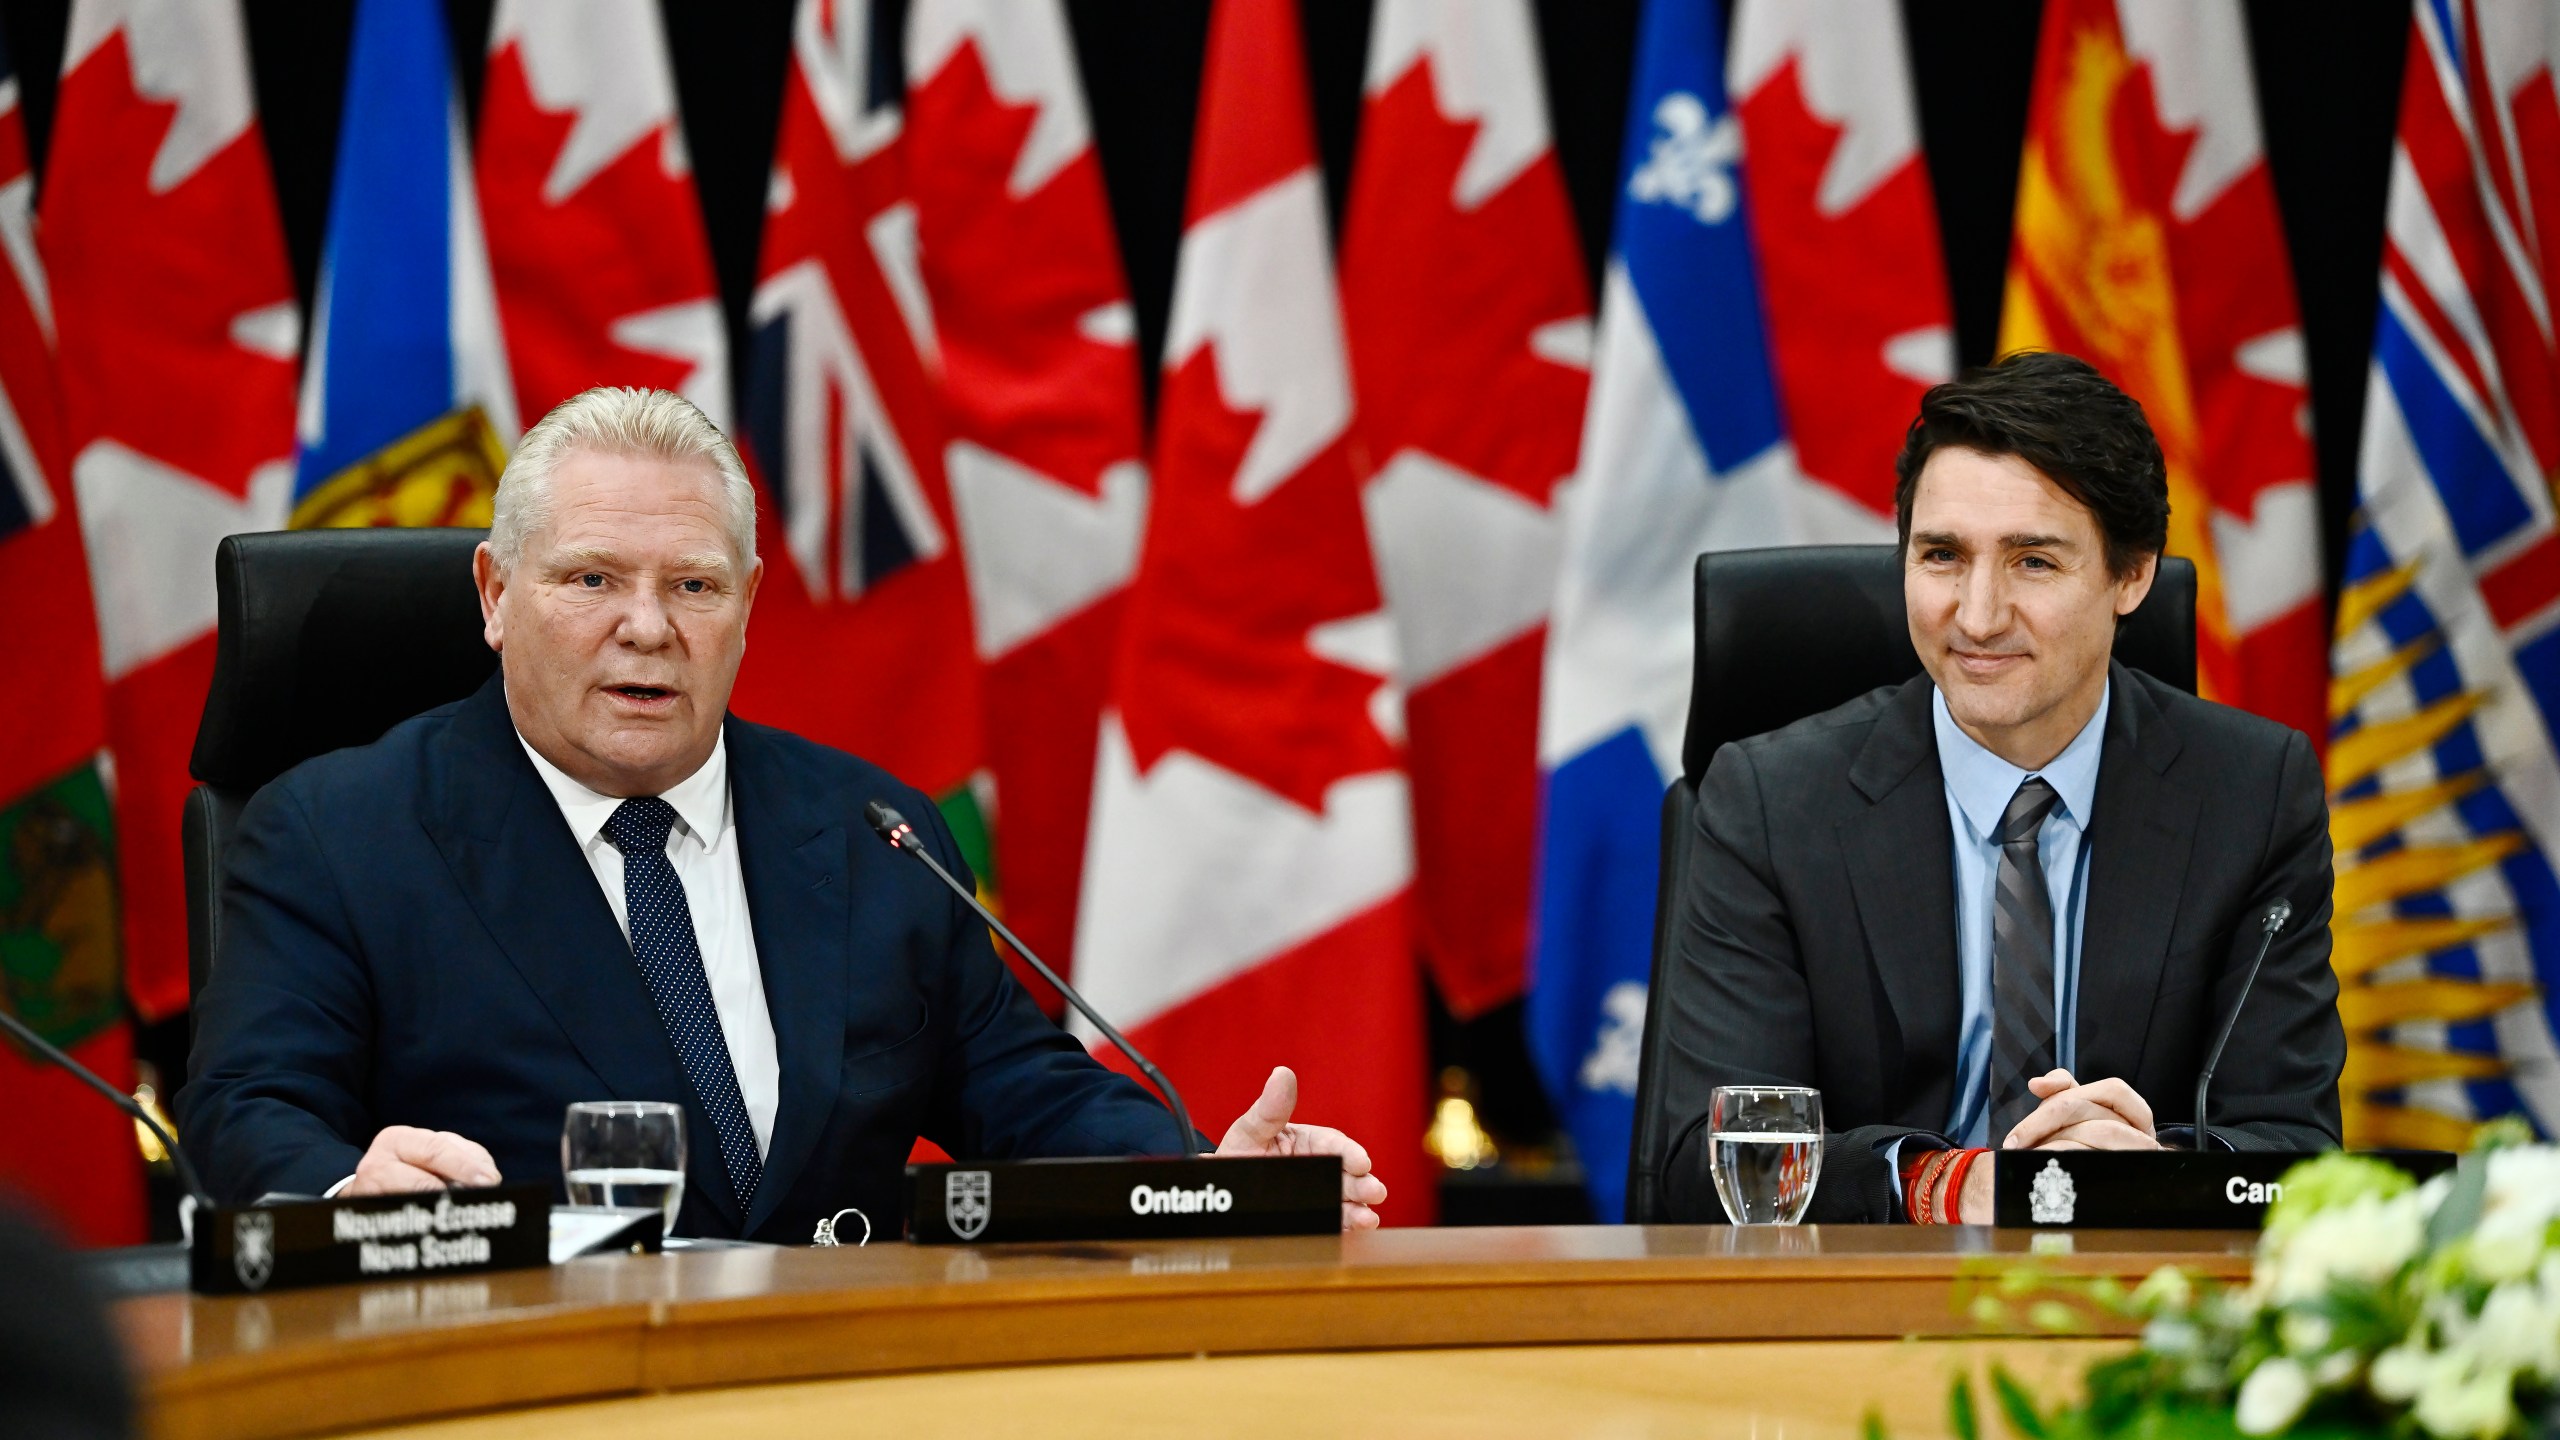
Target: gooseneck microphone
47, 1050
893, 827
2270, 921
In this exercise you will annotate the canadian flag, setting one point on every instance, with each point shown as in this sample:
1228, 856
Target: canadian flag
1845, 230
862, 630
1245, 892
178, 341
596, 243
1470, 337
1040, 393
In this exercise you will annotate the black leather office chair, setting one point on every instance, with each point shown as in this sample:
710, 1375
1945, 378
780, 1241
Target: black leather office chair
1791, 632
327, 639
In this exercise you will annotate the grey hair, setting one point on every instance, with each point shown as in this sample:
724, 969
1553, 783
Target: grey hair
616, 420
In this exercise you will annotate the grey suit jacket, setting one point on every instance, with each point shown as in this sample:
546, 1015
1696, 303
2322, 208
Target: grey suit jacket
1816, 933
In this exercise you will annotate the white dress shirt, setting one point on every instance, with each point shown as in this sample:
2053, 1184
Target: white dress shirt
703, 847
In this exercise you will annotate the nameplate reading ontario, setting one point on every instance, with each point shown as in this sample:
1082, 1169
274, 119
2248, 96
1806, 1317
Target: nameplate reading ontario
2156, 1189
252, 1249
1122, 1199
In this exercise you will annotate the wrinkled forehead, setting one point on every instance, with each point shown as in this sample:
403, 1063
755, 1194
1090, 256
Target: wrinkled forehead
638, 508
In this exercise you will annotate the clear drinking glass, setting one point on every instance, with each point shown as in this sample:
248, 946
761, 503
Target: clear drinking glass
1764, 1147
625, 1152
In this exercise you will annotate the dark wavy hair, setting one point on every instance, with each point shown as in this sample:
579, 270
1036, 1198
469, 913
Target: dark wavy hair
2057, 413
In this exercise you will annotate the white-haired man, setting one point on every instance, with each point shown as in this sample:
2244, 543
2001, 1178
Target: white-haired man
589, 881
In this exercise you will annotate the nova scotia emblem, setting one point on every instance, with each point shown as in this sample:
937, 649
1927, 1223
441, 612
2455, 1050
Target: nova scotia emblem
968, 1202
253, 1247
2052, 1198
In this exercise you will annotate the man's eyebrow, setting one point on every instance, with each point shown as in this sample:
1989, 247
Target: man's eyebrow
586, 555
707, 560
1935, 537
2039, 542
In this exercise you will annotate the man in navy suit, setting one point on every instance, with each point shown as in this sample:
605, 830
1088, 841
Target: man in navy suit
588, 881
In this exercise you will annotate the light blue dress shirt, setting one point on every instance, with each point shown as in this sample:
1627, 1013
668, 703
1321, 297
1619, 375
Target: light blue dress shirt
1979, 787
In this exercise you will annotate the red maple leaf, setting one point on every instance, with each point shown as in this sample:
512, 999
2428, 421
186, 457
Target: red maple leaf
628, 240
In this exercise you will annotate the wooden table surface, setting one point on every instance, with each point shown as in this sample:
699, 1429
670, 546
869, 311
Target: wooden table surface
318, 1361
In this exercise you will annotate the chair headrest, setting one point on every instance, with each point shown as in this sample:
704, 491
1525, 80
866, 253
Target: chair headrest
1789, 632
328, 638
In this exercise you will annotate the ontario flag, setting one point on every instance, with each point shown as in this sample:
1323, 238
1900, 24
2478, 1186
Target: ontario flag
1470, 337
862, 633
61, 960
178, 341
2147, 243
596, 242
1044, 430
1245, 895
2444, 780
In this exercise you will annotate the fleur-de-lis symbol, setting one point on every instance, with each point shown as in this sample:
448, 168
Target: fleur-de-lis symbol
1692, 159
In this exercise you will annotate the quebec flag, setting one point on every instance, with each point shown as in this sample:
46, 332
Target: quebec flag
406, 402
1683, 450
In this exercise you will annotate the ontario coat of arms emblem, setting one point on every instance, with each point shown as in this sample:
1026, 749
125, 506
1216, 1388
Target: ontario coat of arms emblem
968, 1202
253, 1247
2052, 1198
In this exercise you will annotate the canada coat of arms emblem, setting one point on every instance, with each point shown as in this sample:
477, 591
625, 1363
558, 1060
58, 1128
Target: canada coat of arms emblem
2052, 1198
253, 1247
968, 1202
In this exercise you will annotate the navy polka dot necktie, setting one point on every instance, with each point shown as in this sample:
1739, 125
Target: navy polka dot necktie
662, 941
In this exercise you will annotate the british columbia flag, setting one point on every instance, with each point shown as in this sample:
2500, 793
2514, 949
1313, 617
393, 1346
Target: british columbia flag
2445, 803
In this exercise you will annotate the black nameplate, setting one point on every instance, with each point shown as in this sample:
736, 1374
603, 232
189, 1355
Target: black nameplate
2156, 1189
1123, 1199
251, 1249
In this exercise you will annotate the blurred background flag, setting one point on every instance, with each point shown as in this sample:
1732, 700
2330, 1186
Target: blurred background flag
2445, 803
596, 243
1845, 232
61, 959
1040, 395
406, 402
1469, 325
178, 333
1684, 449
1245, 897
2148, 243
863, 626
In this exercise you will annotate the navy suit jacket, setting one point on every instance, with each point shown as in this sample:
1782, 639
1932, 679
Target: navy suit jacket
411, 937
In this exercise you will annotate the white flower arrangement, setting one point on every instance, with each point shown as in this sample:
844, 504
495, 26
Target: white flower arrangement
2376, 1306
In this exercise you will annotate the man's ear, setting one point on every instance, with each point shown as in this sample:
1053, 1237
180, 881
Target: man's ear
2132, 589
491, 582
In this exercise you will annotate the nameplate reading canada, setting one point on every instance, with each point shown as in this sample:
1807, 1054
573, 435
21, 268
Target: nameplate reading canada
252, 1249
1123, 1199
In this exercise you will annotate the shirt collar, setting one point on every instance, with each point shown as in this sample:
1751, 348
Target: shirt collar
1983, 783
700, 800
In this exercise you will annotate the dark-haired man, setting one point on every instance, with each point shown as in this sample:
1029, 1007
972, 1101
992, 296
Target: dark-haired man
2005, 905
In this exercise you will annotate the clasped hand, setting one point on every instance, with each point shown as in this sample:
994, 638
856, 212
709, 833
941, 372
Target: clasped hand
2102, 1115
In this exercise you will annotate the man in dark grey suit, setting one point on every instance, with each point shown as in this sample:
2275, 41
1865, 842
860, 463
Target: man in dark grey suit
2005, 905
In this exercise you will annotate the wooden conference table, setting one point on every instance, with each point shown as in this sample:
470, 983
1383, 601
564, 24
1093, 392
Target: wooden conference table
1616, 1331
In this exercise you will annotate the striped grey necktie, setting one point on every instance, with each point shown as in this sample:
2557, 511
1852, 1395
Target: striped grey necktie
2022, 1013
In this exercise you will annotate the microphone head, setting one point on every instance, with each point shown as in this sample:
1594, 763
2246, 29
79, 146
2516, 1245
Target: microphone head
892, 826
2277, 915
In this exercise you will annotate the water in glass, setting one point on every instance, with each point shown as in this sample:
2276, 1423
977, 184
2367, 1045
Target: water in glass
1765, 1152
625, 1152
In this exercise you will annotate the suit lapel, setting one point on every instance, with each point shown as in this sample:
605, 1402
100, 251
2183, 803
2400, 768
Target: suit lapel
1900, 854
518, 865
2139, 840
792, 852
